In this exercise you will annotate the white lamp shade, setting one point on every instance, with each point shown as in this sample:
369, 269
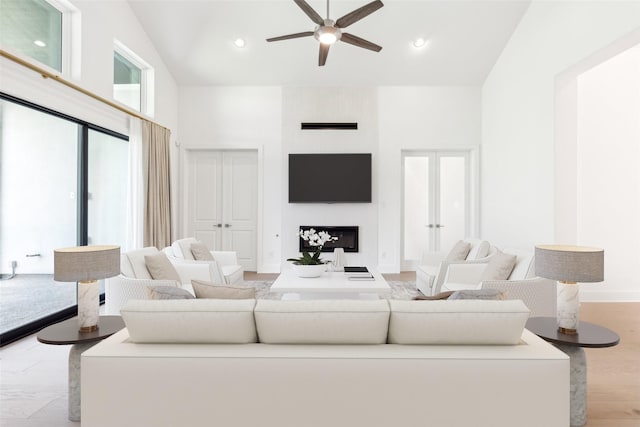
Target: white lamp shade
569, 263
85, 263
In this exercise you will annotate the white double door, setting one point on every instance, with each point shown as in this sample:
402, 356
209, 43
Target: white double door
436, 202
222, 201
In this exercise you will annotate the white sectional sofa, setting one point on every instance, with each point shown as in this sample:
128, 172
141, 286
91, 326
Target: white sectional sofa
265, 363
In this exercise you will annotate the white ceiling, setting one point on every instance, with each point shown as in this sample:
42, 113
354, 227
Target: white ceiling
195, 40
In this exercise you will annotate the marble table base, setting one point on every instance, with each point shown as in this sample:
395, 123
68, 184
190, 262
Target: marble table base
74, 378
578, 381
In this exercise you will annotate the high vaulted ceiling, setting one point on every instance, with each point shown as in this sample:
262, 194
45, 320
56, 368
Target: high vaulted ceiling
195, 39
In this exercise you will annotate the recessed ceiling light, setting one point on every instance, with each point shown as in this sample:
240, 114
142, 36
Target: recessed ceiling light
39, 43
240, 42
419, 42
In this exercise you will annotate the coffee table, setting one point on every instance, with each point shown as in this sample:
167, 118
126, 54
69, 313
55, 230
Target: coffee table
330, 285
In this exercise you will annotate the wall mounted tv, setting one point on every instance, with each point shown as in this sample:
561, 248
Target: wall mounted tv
330, 178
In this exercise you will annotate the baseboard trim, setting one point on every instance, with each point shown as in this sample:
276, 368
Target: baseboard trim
269, 268
610, 296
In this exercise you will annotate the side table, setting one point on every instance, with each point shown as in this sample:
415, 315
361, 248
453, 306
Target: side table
588, 335
65, 333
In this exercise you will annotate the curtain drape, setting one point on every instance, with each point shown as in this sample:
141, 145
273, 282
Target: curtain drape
157, 212
135, 188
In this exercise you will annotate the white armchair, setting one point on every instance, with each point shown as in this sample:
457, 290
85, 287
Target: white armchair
225, 267
430, 275
538, 294
134, 279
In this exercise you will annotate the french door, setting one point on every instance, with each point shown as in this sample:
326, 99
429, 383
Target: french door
222, 201
436, 202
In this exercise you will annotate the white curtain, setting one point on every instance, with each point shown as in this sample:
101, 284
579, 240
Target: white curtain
135, 188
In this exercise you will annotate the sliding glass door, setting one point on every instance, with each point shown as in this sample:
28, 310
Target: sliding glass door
62, 183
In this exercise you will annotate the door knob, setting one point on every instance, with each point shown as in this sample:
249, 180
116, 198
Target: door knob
439, 226
429, 225
218, 225
227, 225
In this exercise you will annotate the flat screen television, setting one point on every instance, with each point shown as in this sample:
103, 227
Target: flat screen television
330, 178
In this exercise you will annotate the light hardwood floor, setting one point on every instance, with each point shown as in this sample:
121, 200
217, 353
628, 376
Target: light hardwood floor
33, 376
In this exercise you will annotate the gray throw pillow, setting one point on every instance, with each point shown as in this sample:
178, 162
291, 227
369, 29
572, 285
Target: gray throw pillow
210, 290
168, 292
486, 294
459, 251
200, 252
160, 268
499, 267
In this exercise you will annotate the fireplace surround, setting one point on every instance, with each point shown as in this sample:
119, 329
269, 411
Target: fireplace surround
347, 238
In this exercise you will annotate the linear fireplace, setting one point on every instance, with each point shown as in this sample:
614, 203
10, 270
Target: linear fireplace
347, 238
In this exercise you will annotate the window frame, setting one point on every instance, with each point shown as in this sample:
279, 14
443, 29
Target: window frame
147, 78
70, 42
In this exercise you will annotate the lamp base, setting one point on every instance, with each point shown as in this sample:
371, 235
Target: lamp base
568, 307
88, 305
567, 331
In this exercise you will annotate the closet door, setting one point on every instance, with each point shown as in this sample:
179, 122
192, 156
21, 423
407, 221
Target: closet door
222, 201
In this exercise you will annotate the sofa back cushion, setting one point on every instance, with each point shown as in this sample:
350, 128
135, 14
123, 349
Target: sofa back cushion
322, 321
190, 321
461, 322
182, 248
132, 263
479, 249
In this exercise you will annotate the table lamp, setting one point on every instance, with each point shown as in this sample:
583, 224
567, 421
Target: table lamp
569, 265
86, 265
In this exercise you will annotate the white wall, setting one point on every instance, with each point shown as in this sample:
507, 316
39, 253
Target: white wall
390, 119
518, 101
101, 23
417, 118
328, 104
238, 118
608, 176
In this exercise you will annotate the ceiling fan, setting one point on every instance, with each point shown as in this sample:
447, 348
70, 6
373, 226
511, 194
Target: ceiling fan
329, 31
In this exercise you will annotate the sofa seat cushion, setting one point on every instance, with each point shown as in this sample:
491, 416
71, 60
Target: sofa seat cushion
458, 322
322, 321
211, 321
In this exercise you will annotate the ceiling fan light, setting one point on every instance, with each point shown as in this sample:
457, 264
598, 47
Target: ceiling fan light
327, 38
328, 34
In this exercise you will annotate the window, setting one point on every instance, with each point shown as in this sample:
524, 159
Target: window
47, 31
132, 80
62, 183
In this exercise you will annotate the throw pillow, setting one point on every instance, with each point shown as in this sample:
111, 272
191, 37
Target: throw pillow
210, 290
459, 251
160, 268
168, 292
499, 267
485, 294
441, 295
201, 252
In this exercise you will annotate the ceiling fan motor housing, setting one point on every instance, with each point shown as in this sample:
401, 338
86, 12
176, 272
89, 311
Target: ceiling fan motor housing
327, 33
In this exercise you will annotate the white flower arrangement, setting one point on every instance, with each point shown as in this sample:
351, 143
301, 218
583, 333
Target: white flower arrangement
315, 239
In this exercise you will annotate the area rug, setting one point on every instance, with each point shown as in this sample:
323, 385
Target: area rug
399, 290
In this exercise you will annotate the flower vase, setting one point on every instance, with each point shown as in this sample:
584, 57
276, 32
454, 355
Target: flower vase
308, 271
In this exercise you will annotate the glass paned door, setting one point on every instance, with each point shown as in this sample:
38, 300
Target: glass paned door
436, 208
38, 211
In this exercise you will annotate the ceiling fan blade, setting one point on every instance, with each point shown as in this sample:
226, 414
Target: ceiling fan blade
291, 36
358, 14
357, 41
324, 52
310, 12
